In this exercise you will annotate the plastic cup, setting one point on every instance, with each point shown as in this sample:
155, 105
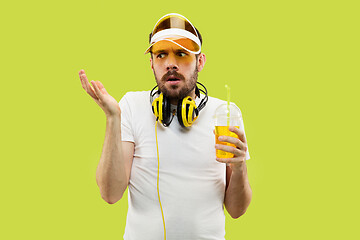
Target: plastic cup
225, 116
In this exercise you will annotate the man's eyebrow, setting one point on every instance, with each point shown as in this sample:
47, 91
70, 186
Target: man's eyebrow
181, 50
159, 51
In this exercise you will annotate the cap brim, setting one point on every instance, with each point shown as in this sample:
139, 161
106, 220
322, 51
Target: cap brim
180, 37
185, 43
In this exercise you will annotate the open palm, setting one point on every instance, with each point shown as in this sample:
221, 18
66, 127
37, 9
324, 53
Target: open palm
98, 92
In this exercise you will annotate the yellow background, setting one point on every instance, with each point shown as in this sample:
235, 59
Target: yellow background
293, 68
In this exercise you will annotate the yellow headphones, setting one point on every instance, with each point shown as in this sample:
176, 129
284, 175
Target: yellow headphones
187, 111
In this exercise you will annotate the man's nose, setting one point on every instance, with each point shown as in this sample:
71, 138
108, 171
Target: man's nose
171, 64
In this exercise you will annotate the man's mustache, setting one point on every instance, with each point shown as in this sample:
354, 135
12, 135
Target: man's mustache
172, 73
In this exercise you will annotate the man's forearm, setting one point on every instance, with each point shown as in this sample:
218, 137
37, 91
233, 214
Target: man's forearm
238, 193
111, 174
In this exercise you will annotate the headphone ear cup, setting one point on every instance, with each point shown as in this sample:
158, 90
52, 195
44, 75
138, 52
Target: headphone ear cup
155, 105
186, 103
179, 112
162, 109
155, 108
166, 111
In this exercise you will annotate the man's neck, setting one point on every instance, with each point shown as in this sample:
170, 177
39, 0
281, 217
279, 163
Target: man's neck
175, 101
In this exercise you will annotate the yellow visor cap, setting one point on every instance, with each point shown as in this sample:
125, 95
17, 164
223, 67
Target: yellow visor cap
177, 29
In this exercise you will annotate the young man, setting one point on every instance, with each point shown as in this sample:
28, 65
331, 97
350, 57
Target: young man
177, 185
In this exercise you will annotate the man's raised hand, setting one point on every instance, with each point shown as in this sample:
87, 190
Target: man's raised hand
97, 91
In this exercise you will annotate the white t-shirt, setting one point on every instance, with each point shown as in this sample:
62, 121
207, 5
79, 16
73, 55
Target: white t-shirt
192, 182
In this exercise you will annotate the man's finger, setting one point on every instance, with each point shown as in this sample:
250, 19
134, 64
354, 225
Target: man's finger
238, 132
230, 149
98, 93
81, 78
82, 83
81, 72
88, 88
222, 160
239, 144
230, 160
101, 87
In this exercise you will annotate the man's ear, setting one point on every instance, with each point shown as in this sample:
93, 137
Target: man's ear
201, 61
151, 64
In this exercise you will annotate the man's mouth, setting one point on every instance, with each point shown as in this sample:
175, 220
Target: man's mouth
172, 79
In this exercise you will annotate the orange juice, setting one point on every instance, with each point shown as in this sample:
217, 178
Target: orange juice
224, 131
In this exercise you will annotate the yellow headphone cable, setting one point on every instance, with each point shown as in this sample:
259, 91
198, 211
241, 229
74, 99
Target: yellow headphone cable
158, 191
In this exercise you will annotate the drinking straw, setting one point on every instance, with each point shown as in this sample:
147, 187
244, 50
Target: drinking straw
228, 104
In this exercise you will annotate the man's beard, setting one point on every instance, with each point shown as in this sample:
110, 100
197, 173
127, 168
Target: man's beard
181, 93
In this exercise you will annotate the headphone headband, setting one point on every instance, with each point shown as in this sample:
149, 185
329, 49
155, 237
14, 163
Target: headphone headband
205, 99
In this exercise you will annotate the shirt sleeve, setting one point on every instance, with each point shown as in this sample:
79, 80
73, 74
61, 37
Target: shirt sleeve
127, 133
